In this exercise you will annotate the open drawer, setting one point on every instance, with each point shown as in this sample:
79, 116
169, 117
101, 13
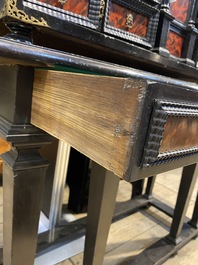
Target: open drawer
133, 127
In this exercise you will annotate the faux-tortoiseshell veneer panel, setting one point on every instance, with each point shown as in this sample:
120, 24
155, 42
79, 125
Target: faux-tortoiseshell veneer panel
118, 17
79, 7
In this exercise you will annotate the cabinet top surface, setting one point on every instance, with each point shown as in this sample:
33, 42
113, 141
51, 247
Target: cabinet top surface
122, 32
13, 52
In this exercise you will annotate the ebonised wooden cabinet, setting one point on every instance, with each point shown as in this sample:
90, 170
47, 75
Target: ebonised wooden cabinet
177, 30
144, 97
167, 27
134, 122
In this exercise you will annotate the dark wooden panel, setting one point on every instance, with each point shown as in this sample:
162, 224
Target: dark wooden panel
179, 9
179, 133
79, 7
174, 43
118, 19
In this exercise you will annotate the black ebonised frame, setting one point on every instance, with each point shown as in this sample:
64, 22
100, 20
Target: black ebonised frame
38, 13
161, 111
187, 30
92, 21
140, 7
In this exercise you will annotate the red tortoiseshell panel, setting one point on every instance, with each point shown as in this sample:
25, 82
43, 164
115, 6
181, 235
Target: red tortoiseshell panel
179, 9
79, 7
118, 16
174, 43
179, 133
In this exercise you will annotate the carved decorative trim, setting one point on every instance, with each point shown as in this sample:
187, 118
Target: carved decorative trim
10, 9
162, 110
91, 21
19, 132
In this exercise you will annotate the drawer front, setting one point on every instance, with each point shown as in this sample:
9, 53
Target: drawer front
173, 132
132, 20
128, 20
83, 12
77, 7
179, 10
174, 43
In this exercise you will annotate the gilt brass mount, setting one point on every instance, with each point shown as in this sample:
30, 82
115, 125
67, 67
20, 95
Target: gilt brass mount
11, 9
129, 21
102, 8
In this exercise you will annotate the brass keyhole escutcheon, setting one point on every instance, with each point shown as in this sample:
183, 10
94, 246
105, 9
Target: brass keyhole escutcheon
129, 21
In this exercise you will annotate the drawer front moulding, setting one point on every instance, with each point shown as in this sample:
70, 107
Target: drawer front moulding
166, 142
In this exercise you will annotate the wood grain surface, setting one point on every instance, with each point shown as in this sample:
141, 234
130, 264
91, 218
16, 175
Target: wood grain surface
4, 147
97, 115
179, 133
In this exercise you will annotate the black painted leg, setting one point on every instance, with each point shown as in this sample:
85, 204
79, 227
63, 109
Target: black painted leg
150, 186
102, 195
24, 168
194, 220
23, 177
187, 183
137, 188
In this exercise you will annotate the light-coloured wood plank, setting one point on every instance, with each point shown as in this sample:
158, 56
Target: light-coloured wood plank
129, 227
97, 115
65, 262
134, 246
4, 147
188, 255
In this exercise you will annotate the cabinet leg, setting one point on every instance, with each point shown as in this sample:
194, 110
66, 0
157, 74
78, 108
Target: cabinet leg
194, 220
24, 168
23, 181
187, 183
137, 188
102, 195
150, 186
